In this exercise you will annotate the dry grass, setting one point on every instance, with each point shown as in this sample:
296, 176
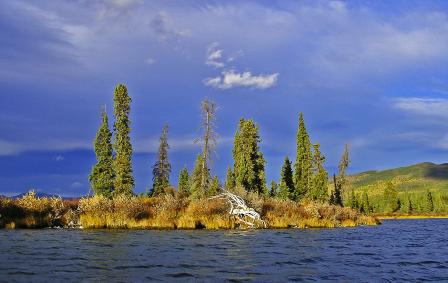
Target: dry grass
170, 212
410, 216
31, 211
286, 214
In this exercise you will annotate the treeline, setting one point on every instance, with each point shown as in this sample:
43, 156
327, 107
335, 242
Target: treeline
303, 179
383, 197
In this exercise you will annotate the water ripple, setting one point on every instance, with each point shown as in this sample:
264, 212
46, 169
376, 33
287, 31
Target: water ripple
406, 250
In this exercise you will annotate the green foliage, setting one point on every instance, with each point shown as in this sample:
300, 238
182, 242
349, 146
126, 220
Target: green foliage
162, 168
319, 185
198, 189
286, 187
365, 206
274, 189
302, 166
353, 201
102, 175
393, 203
412, 184
184, 182
124, 181
336, 195
214, 186
249, 163
230, 180
429, 202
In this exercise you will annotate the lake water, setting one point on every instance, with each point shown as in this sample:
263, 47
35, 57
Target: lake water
398, 250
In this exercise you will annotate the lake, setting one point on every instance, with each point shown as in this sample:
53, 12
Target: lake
398, 250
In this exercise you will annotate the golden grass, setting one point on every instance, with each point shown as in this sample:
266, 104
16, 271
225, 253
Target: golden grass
171, 212
287, 214
411, 216
31, 211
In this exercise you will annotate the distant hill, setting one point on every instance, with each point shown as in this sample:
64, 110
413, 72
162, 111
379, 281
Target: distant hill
414, 178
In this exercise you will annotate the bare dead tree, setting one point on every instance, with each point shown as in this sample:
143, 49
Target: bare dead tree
208, 139
241, 211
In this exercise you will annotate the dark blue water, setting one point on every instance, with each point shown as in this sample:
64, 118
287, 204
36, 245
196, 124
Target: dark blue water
398, 250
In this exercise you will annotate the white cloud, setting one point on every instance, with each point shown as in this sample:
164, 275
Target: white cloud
214, 56
14, 148
231, 79
431, 107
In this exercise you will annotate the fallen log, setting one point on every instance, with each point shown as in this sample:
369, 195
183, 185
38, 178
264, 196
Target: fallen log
241, 211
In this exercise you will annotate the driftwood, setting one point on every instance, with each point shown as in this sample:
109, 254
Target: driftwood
240, 210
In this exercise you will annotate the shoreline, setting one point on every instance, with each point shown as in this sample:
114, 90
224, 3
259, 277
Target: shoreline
410, 216
169, 212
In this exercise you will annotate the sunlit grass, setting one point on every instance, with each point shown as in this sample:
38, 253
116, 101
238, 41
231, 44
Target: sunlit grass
171, 212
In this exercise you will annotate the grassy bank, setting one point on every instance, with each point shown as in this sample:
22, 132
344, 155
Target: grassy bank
410, 216
170, 212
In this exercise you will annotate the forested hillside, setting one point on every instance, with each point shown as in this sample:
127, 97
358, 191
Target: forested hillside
421, 187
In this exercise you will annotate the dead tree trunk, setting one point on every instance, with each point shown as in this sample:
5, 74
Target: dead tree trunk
241, 211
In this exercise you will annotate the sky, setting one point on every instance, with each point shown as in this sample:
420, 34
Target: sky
372, 74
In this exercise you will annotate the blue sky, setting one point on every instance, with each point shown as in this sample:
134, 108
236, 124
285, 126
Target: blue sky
369, 73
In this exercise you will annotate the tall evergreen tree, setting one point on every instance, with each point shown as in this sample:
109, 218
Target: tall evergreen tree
183, 186
274, 189
340, 181
390, 196
230, 180
249, 163
319, 186
302, 166
286, 188
214, 186
353, 200
102, 175
342, 169
336, 196
365, 204
124, 181
429, 202
198, 190
162, 168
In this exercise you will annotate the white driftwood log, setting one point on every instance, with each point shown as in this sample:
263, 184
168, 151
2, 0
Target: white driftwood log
240, 210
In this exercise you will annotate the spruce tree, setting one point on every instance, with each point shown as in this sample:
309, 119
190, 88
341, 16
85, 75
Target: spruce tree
274, 189
162, 168
302, 166
184, 182
390, 196
198, 190
353, 200
336, 196
124, 181
429, 202
102, 175
249, 163
286, 188
319, 186
365, 204
341, 179
230, 180
214, 186
410, 207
